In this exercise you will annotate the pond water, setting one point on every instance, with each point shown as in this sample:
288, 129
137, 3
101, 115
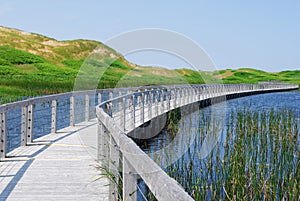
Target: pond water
244, 148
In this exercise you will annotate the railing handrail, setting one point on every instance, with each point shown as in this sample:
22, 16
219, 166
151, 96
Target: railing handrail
27, 110
48, 98
118, 133
27, 107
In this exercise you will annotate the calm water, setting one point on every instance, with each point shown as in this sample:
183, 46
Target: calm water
221, 112
194, 137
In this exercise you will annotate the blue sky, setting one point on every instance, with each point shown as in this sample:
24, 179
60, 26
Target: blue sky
258, 34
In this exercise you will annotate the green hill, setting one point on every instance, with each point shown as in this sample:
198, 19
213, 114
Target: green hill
251, 76
32, 64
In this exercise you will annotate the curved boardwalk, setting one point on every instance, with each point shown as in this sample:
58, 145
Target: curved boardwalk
62, 165
59, 166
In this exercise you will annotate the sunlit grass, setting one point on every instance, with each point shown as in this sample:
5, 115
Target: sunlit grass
258, 159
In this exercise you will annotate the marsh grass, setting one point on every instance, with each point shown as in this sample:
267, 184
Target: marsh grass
256, 158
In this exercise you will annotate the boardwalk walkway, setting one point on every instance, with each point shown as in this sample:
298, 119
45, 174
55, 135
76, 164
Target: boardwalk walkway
58, 166
62, 165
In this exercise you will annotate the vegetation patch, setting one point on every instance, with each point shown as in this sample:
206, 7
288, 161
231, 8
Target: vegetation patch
11, 55
41, 65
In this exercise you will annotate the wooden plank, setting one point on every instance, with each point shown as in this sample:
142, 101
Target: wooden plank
64, 169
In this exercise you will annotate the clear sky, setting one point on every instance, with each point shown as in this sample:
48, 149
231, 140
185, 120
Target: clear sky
258, 34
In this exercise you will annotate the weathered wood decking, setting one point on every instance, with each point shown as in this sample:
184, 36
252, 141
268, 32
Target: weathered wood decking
59, 166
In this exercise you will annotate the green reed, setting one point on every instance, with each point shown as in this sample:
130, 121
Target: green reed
256, 158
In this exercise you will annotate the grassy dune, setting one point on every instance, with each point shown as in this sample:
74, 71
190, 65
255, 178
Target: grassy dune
248, 75
32, 64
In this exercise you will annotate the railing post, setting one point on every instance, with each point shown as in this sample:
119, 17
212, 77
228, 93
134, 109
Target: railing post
179, 96
147, 99
24, 124
168, 99
174, 97
127, 121
162, 102
30, 110
133, 110
99, 98
129, 182
114, 168
156, 98
188, 95
72, 110
122, 110
102, 143
184, 96
3, 135
193, 94
111, 95
109, 109
208, 92
53, 117
150, 103
87, 107
198, 93
142, 108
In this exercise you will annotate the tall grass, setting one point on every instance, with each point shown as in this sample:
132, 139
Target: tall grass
256, 158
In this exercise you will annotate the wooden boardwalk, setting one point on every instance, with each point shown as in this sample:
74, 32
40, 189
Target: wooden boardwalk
59, 166
62, 165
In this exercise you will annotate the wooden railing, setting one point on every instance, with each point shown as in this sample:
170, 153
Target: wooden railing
17, 119
119, 116
122, 111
